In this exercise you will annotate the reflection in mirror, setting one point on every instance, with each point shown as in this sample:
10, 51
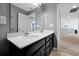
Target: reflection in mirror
39, 18
32, 22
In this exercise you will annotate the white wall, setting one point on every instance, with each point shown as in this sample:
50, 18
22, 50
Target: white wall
70, 24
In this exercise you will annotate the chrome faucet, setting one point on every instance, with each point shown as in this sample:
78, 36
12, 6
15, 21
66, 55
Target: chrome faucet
26, 33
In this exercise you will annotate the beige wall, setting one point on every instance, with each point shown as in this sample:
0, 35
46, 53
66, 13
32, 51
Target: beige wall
50, 16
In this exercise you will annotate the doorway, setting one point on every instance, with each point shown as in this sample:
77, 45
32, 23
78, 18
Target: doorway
69, 37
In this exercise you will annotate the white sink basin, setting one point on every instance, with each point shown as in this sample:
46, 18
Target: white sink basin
35, 34
31, 36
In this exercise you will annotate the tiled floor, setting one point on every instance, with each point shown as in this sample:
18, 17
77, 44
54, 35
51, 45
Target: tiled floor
59, 53
69, 46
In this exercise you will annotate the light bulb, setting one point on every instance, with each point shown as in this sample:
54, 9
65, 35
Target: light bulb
74, 6
37, 4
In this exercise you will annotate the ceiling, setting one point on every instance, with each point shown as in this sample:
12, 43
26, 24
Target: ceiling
25, 6
66, 7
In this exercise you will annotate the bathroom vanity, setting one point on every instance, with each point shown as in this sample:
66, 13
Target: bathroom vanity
34, 44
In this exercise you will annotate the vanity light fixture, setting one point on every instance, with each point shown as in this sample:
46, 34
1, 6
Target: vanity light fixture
37, 4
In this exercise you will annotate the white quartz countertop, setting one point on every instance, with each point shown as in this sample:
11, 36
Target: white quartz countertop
23, 41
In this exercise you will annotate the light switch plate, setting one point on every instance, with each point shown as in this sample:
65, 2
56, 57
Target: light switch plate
51, 25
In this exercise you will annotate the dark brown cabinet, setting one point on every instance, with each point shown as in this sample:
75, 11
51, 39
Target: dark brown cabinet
40, 48
47, 51
41, 51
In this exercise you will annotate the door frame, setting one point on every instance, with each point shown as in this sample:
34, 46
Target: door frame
58, 26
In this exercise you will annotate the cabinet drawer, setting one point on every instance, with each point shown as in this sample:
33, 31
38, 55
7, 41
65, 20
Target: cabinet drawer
51, 36
47, 38
47, 44
51, 45
41, 51
42, 41
38, 53
51, 42
34, 47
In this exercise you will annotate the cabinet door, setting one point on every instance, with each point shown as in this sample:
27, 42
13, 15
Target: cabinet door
51, 46
38, 53
52, 40
47, 51
55, 41
42, 50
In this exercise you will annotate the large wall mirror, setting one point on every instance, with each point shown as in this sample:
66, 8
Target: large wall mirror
23, 21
